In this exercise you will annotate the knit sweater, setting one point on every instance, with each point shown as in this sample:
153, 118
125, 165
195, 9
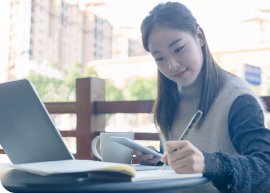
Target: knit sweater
227, 137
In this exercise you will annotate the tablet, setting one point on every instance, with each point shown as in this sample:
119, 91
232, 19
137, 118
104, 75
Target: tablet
135, 146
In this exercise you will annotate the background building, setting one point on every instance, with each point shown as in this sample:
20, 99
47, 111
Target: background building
127, 43
54, 32
60, 33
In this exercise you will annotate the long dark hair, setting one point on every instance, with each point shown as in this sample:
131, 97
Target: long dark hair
177, 16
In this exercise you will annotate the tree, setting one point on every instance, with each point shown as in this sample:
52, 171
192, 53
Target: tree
112, 92
142, 88
49, 89
57, 89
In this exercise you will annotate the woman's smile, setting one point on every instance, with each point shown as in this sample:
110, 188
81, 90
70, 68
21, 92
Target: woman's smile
180, 74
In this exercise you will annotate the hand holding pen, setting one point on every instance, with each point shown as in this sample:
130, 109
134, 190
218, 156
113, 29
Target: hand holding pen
178, 153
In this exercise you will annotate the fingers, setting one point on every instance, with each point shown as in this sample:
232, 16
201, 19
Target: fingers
137, 153
171, 146
145, 159
184, 157
190, 164
180, 150
164, 158
153, 161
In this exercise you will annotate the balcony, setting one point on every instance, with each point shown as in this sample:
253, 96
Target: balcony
90, 109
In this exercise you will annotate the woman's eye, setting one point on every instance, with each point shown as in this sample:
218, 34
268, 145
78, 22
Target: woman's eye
177, 50
158, 59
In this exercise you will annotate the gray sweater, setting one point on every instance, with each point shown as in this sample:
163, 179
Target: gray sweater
235, 143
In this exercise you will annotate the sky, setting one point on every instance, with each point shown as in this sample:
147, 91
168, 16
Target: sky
131, 12
221, 20
127, 12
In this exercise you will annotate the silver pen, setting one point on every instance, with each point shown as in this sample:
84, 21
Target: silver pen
193, 120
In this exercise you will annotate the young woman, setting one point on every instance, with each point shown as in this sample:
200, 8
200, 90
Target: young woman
230, 145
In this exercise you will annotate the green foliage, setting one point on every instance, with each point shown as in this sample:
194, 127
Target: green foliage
50, 89
90, 71
74, 72
112, 92
136, 89
56, 89
142, 88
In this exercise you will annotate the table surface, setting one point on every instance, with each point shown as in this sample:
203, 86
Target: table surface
18, 181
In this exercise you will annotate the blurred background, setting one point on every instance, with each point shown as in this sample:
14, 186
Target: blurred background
53, 42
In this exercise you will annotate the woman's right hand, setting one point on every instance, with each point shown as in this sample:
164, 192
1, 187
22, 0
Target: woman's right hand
145, 159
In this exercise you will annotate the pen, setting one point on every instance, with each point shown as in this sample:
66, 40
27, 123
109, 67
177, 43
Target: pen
193, 120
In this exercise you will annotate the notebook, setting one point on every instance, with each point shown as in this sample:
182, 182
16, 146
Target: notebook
27, 133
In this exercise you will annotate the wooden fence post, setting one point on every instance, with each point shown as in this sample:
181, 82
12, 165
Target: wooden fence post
88, 90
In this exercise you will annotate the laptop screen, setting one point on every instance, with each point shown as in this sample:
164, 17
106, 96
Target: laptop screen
27, 133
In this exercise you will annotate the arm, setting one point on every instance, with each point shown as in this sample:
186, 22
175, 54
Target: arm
248, 172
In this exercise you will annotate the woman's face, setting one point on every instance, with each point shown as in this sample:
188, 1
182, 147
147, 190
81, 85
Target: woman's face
177, 54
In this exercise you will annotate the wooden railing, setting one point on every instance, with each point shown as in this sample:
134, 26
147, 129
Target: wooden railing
90, 109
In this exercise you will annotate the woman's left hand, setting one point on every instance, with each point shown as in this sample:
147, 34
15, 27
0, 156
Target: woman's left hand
184, 157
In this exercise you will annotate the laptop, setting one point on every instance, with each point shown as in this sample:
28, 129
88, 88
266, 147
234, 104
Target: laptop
27, 132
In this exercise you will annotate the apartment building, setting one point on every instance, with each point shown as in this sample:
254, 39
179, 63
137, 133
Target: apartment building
18, 36
55, 32
127, 43
97, 33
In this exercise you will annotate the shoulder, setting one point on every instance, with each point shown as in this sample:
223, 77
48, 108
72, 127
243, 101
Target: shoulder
237, 84
245, 101
245, 113
245, 106
239, 91
233, 87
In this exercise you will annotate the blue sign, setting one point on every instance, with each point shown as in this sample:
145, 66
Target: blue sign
253, 74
